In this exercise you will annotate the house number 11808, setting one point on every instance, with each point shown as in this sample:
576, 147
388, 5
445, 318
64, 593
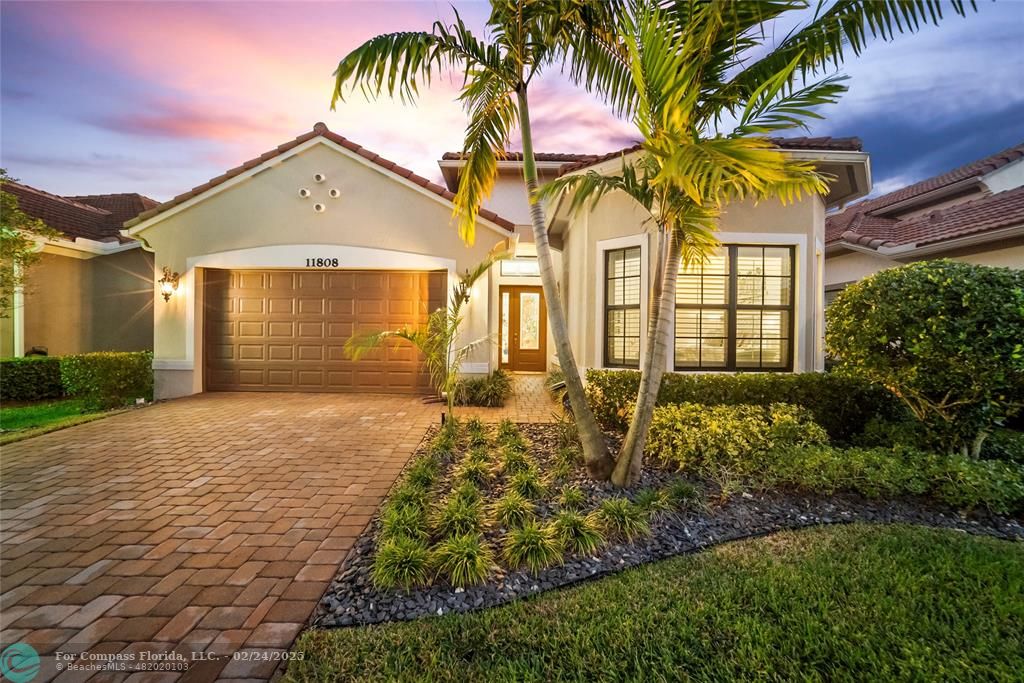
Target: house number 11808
321, 263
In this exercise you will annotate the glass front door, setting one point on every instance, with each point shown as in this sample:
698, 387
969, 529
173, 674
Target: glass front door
523, 332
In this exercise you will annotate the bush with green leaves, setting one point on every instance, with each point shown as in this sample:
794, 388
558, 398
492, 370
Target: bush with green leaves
487, 392
464, 560
512, 510
534, 546
108, 379
621, 518
580, 534
956, 480
842, 405
1004, 444
707, 440
401, 561
30, 379
945, 337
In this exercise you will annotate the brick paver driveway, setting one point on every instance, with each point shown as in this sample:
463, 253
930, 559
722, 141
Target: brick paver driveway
208, 524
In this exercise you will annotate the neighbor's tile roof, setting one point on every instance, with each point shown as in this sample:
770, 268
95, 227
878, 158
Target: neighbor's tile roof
822, 143
320, 129
866, 224
518, 156
93, 217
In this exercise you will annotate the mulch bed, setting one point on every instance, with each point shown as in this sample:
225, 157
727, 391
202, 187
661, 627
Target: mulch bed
352, 599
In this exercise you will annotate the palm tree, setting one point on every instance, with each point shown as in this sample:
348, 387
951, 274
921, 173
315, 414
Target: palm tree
437, 341
524, 37
678, 70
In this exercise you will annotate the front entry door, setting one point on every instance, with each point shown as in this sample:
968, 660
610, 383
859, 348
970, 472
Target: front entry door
523, 340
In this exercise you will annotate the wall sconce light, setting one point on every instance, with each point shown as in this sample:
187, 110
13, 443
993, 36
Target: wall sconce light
168, 283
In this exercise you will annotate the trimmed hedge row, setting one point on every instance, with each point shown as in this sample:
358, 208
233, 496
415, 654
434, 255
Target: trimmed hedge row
30, 379
104, 380
842, 405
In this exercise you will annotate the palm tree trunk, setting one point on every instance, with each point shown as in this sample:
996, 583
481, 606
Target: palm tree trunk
631, 456
598, 459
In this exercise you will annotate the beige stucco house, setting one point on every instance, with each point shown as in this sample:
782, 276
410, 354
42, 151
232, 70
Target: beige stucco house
974, 213
280, 260
92, 288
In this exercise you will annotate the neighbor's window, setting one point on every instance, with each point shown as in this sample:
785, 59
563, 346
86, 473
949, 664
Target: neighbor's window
622, 308
735, 311
522, 266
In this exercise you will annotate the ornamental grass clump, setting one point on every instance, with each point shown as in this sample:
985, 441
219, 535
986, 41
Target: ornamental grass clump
512, 510
580, 534
533, 546
651, 501
423, 472
621, 518
474, 471
458, 516
476, 433
403, 520
515, 460
682, 495
409, 494
571, 498
507, 430
464, 560
401, 561
528, 483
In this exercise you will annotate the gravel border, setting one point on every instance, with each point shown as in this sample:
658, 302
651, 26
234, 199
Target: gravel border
352, 598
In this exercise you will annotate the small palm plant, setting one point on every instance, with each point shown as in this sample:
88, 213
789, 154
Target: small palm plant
438, 340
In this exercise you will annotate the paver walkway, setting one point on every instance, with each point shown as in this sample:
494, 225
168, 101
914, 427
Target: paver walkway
210, 524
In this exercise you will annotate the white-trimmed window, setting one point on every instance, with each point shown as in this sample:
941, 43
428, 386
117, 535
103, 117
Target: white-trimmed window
736, 310
622, 307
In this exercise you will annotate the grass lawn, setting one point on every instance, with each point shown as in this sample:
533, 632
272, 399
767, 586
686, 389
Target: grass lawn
19, 422
855, 602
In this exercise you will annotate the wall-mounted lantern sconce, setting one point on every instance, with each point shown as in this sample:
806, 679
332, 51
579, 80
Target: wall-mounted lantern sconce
168, 283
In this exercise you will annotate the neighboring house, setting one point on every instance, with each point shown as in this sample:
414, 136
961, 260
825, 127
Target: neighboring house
280, 260
92, 289
974, 213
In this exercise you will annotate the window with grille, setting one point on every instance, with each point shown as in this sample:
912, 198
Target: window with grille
735, 310
622, 308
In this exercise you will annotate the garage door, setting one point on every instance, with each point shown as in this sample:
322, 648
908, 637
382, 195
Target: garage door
286, 330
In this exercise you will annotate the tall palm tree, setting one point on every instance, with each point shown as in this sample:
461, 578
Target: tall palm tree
679, 70
524, 37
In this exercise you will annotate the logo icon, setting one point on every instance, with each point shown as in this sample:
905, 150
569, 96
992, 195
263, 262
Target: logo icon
19, 663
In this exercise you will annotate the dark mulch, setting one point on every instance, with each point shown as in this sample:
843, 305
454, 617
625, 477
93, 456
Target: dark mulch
352, 598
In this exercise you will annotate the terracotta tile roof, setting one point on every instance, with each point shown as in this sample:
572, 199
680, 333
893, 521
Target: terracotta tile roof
866, 221
319, 130
518, 156
822, 143
94, 217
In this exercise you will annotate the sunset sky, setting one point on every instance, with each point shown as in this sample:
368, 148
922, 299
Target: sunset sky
158, 97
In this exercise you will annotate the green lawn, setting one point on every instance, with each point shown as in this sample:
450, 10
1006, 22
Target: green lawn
19, 422
850, 603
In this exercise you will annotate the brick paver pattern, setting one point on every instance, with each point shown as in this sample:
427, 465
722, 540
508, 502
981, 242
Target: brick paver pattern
210, 524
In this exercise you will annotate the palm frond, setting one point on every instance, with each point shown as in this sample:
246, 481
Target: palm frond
357, 346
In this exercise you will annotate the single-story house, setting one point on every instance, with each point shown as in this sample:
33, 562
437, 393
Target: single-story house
92, 288
273, 265
974, 213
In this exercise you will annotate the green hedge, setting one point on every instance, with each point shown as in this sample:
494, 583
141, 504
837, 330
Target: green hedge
842, 405
108, 379
30, 379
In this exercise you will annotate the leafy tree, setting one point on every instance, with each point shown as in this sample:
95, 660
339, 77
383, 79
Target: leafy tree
523, 37
438, 340
947, 338
19, 244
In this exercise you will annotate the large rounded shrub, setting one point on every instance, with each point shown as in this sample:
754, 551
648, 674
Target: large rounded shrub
945, 337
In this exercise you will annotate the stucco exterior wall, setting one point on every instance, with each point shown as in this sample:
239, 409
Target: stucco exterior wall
75, 305
854, 266
617, 219
262, 222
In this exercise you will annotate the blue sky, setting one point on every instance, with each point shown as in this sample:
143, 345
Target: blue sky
158, 97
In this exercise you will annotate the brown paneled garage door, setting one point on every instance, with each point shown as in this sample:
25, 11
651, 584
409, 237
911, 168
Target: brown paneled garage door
282, 330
